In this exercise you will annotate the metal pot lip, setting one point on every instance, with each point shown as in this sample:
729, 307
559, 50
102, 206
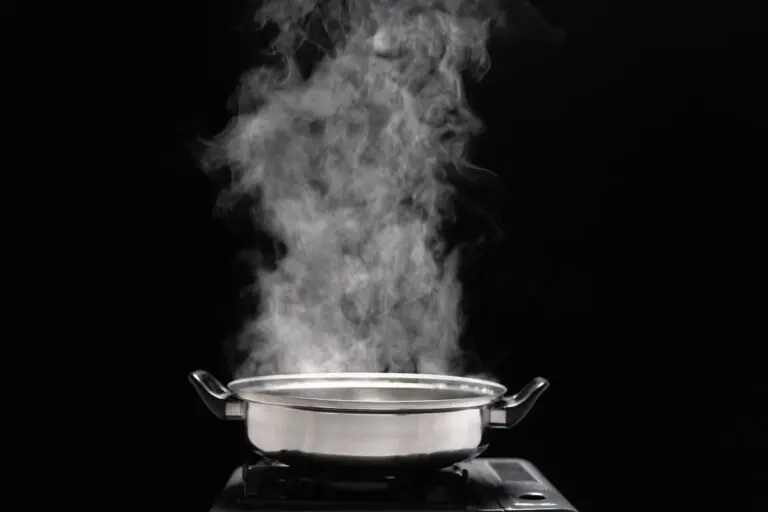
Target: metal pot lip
257, 389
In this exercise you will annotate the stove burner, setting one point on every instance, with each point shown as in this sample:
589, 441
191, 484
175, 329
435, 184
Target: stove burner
479, 485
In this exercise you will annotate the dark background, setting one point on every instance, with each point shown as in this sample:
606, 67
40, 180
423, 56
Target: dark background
615, 152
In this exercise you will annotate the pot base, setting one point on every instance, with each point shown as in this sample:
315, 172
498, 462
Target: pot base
318, 463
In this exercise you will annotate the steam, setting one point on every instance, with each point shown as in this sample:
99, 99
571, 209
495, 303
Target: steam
350, 165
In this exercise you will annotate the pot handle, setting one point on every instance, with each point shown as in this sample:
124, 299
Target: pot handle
219, 400
510, 410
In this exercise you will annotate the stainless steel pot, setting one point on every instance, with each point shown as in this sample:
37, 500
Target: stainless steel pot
380, 421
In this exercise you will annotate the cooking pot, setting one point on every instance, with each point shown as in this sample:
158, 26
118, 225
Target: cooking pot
378, 421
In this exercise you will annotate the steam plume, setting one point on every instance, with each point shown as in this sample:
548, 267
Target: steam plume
349, 165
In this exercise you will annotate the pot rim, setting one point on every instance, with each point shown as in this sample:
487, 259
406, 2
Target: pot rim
479, 392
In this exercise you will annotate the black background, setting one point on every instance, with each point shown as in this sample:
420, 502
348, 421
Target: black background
615, 153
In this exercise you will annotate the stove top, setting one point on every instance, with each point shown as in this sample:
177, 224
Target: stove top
478, 485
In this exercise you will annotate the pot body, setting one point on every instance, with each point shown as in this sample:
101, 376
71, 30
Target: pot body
360, 440
378, 436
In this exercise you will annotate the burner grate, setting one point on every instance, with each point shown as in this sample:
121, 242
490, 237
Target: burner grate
273, 485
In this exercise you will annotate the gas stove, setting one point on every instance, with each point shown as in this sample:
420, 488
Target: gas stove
481, 484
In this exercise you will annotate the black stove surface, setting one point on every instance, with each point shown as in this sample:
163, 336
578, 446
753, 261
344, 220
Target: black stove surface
481, 484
